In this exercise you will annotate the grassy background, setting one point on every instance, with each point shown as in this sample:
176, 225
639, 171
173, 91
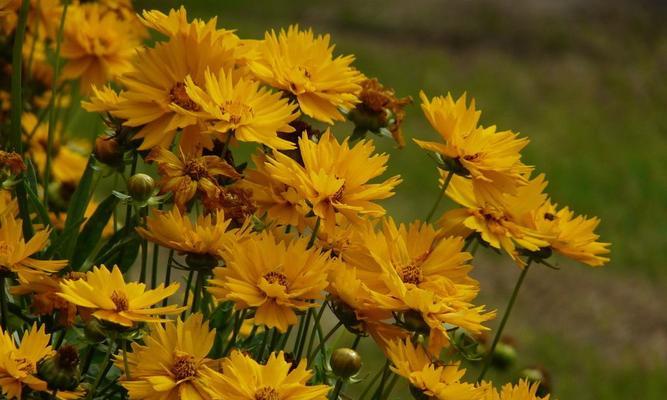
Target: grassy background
585, 81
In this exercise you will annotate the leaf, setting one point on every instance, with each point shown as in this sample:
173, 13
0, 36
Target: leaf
58, 243
91, 233
121, 249
34, 200
79, 202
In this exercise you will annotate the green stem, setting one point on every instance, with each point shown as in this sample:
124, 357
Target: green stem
357, 339
87, 360
311, 356
297, 340
260, 349
337, 389
390, 387
197, 293
102, 372
318, 317
371, 384
156, 255
238, 322
186, 295
501, 327
3, 302
441, 194
167, 276
52, 105
313, 235
285, 338
302, 339
385, 373
125, 363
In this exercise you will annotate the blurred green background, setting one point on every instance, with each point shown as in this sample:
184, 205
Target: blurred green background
585, 80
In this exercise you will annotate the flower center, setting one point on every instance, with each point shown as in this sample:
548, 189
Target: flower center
236, 111
549, 216
274, 276
184, 367
120, 301
411, 273
195, 169
179, 96
267, 393
471, 157
338, 196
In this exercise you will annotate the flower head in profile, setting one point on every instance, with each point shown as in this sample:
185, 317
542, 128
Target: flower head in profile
112, 299
209, 235
18, 363
303, 65
334, 178
243, 378
521, 391
172, 361
238, 106
16, 255
274, 277
43, 290
186, 174
427, 375
97, 45
492, 159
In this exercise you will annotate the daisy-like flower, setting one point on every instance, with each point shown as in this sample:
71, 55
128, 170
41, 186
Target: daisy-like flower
172, 362
427, 375
521, 391
16, 253
18, 364
240, 107
303, 65
98, 46
186, 174
209, 235
111, 299
155, 98
334, 178
176, 24
274, 277
492, 159
243, 378
102, 100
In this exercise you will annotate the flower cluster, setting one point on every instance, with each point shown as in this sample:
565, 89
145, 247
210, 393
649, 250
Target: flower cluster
223, 272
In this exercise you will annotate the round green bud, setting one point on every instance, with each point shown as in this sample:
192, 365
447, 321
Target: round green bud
108, 151
504, 356
94, 331
140, 187
61, 371
415, 322
201, 261
345, 362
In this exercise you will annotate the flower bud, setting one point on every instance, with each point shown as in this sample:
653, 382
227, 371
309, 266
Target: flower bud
345, 362
61, 371
94, 331
347, 316
201, 261
537, 375
107, 150
503, 356
418, 394
415, 322
140, 187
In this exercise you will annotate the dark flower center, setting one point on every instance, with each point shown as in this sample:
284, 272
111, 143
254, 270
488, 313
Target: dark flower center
274, 276
267, 393
120, 301
179, 96
184, 367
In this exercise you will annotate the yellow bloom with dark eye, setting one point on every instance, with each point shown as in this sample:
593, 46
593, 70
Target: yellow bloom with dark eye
171, 363
274, 277
334, 178
16, 254
186, 174
18, 364
239, 106
303, 65
210, 234
492, 159
435, 379
98, 46
112, 299
521, 391
243, 378
155, 98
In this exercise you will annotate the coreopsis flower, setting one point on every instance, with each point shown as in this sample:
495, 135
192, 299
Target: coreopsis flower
112, 299
102, 100
492, 159
43, 290
8, 15
11, 161
155, 99
210, 235
334, 178
171, 363
186, 174
18, 363
303, 66
499, 220
240, 107
274, 277
235, 201
521, 391
8, 205
97, 45
243, 378
429, 376
16, 254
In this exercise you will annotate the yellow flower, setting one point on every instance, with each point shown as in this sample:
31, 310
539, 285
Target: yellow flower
18, 364
238, 106
8, 205
155, 98
435, 379
209, 235
499, 220
492, 159
15, 252
303, 65
334, 178
98, 46
171, 363
45, 300
112, 299
186, 174
104, 99
272, 276
521, 391
176, 23
243, 378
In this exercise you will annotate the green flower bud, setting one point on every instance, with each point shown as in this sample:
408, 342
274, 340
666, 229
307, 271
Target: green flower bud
94, 331
414, 322
201, 261
345, 362
108, 151
504, 356
417, 393
140, 187
540, 376
61, 371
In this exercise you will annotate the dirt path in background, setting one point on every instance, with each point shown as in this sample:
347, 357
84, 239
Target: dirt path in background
614, 314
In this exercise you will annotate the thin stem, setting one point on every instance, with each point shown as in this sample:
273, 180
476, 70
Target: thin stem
197, 293
238, 322
156, 255
285, 338
3, 302
380, 388
441, 194
297, 340
371, 384
87, 360
318, 317
337, 389
333, 330
260, 349
357, 339
167, 276
125, 363
302, 339
313, 235
508, 311
102, 371
390, 387
186, 295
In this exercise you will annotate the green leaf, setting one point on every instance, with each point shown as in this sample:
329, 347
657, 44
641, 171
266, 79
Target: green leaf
34, 200
91, 233
57, 244
121, 249
79, 202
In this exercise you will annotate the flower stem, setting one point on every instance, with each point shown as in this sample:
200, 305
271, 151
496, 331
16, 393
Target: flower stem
313, 235
238, 322
371, 384
318, 317
102, 371
302, 339
3, 302
441, 194
167, 276
508, 311
385, 373
320, 345
125, 363
197, 293
337, 389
